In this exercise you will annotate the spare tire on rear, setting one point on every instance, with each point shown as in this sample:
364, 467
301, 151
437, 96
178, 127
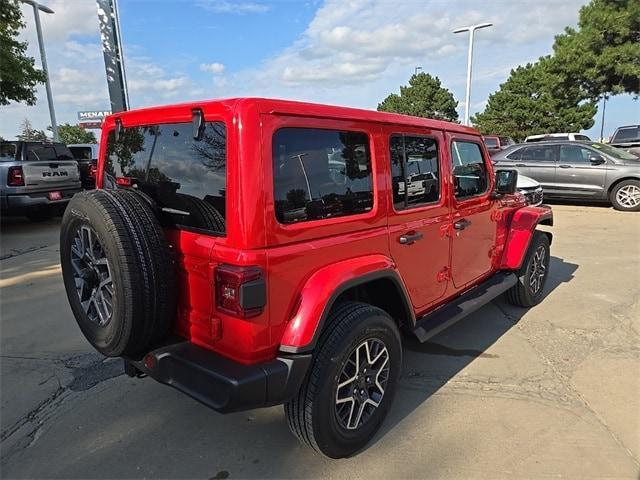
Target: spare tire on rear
118, 271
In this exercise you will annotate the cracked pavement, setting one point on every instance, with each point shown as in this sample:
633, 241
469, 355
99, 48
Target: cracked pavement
506, 392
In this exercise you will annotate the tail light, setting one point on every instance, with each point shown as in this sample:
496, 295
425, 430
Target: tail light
15, 177
124, 181
93, 171
240, 291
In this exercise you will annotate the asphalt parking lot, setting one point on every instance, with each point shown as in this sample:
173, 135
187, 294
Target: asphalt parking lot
553, 391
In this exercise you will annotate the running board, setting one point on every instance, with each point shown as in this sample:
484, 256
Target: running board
433, 323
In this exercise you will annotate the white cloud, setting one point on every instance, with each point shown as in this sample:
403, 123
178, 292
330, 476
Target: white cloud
215, 68
235, 7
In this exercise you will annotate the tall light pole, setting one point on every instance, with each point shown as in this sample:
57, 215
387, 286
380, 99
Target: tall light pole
471, 29
415, 70
604, 108
36, 13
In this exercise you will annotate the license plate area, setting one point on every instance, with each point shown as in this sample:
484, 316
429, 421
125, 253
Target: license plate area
55, 195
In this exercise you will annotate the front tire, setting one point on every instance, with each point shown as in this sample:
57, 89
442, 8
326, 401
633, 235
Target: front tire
626, 196
351, 383
532, 275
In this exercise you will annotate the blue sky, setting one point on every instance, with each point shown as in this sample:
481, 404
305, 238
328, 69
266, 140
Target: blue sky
330, 51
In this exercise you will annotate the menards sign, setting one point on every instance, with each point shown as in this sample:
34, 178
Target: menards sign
93, 115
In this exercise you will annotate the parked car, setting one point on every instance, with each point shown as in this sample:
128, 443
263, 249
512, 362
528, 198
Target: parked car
37, 179
627, 138
550, 137
495, 143
579, 171
261, 252
86, 154
531, 190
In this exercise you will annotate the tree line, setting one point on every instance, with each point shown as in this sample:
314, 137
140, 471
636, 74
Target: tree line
559, 92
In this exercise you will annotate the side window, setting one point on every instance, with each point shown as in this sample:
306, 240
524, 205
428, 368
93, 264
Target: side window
470, 175
574, 154
516, 154
320, 174
414, 171
538, 153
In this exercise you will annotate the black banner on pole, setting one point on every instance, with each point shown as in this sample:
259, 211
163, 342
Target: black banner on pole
113, 58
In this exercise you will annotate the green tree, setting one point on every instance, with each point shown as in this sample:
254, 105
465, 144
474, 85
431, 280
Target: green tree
73, 134
602, 55
423, 97
28, 133
533, 101
18, 74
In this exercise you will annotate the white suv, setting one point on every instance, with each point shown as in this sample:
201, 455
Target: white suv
556, 136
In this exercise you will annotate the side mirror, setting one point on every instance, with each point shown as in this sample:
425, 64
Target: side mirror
506, 183
596, 159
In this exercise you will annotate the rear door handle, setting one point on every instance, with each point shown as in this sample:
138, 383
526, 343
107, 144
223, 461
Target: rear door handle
461, 224
410, 237
565, 166
520, 165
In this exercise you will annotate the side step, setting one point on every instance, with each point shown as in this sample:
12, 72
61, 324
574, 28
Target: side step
433, 323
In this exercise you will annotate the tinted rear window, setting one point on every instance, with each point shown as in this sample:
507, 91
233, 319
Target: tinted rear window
186, 177
81, 153
320, 174
631, 133
491, 142
48, 153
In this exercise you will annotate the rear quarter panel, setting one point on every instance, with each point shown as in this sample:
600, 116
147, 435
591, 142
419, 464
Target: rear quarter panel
296, 251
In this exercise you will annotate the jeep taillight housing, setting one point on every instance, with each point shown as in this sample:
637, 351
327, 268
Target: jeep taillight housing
240, 291
15, 177
93, 171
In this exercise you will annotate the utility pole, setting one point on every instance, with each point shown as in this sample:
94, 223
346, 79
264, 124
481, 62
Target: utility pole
43, 56
604, 108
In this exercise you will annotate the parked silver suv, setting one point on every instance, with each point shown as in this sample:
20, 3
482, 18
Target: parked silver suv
36, 178
578, 170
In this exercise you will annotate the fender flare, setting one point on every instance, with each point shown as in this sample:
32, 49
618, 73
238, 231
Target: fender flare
521, 229
321, 290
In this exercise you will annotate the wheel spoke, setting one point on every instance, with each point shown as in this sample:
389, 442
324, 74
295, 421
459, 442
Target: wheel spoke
92, 276
362, 383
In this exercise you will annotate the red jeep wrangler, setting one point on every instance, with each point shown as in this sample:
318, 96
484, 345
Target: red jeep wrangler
253, 252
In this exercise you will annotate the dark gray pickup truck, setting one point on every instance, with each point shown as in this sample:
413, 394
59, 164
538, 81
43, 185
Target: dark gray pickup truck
627, 138
36, 178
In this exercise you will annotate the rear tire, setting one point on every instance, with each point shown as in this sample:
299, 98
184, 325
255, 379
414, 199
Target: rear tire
118, 271
338, 409
625, 196
532, 275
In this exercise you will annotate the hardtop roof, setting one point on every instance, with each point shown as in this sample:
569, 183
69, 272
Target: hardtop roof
307, 109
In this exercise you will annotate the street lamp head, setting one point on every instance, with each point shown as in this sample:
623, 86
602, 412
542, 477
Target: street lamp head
471, 28
42, 8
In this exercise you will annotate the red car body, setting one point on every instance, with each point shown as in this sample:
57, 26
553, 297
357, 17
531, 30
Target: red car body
307, 265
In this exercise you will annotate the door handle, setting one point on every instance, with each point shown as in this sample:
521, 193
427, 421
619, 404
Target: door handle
565, 166
461, 224
520, 165
410, 237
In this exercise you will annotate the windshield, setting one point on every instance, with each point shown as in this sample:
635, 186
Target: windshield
614, 152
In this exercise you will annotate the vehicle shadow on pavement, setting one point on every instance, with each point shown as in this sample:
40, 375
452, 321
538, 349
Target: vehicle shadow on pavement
428, 366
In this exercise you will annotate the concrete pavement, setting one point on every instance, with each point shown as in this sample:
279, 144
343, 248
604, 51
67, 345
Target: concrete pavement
553, 391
